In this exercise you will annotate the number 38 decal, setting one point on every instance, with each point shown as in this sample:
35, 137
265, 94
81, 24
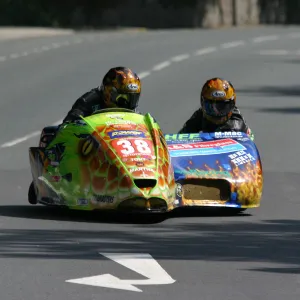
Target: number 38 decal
134, 146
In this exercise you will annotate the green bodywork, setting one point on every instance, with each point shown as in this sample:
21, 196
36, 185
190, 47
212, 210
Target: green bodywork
88, 172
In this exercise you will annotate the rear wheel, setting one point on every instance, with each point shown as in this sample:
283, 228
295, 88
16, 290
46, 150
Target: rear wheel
239, 210
236, 211
32, 199
230, 211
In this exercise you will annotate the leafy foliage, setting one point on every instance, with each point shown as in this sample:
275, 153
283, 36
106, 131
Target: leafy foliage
93, 13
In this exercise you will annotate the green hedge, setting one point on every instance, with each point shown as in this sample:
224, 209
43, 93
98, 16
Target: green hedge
88, 13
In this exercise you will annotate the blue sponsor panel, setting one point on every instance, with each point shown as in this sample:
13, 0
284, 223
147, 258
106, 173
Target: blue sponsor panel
211, 155
209, 150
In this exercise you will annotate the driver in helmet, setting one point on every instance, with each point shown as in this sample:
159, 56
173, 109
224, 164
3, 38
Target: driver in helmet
120, 87
218, 111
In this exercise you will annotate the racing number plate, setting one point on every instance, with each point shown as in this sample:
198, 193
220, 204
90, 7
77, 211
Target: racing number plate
133, 147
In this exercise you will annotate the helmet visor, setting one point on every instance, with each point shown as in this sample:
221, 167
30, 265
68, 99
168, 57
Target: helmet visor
218, 108
129, 101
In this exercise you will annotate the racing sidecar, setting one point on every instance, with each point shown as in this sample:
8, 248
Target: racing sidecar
221, 169
119, 160
114, 159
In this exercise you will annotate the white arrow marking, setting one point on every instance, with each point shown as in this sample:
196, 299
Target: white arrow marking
143, 264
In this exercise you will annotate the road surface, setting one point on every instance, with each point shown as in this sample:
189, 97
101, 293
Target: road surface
252, 256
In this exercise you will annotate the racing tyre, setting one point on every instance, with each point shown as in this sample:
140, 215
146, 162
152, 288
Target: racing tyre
228, 211
237, 211
32, 195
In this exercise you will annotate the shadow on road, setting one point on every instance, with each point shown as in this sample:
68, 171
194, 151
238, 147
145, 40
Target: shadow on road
292, 110
279, 91
212, 239
272, 91
235, 241
281, 110
60, 214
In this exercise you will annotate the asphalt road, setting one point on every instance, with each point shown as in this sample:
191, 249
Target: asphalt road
252, 256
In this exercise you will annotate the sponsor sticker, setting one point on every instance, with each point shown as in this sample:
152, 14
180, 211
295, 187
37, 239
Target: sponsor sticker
139, 159
183, 137
241, 158
118, 122
133, 87
103, 199
126, 133
120, 126
179, 190
218, 94
143, 169
116, 116
205, 148
232, 134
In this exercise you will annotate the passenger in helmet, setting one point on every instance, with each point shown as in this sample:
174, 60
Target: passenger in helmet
218, 111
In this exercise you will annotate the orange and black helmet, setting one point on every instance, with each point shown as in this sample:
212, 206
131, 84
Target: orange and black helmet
121, 87
218, 99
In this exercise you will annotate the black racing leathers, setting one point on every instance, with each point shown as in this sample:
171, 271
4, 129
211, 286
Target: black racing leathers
84, 106
197, 123
87, 104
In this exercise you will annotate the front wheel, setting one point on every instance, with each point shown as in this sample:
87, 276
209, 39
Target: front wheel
32, 199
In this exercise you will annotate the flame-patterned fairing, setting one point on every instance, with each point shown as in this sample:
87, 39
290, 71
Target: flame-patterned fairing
225, 160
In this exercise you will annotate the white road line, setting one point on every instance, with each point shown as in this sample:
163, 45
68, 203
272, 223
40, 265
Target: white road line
14, 55
157, 67
233, 44
205, 50
161, 66
179, 58
20, 140
265, 38
294, 35
144, 74
56, 45
25, 138
91, 38
25, 53
45, 48
78, 41
274, 52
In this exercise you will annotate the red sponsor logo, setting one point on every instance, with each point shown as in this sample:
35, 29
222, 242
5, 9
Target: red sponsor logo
203, 145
